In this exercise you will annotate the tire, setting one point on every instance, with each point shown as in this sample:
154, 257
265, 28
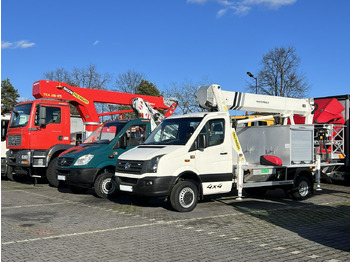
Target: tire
184, 196
103, 185
51, 173
9, 173
302, 188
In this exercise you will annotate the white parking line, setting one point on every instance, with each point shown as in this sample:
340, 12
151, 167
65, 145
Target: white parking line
37, 205
76, 234
156, 223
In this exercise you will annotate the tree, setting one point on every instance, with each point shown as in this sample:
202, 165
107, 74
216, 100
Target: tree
90, 78
132, 82
147, 88
60, 75
9, 95
82, 77
280, 75
129, 81
186, 94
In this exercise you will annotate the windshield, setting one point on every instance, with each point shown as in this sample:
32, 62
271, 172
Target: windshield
20, 115
104, 133
175, 131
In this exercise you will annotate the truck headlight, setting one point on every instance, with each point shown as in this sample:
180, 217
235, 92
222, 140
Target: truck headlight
83, 160
153, 164
26, 157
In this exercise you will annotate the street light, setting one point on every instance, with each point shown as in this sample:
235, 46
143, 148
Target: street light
256, 81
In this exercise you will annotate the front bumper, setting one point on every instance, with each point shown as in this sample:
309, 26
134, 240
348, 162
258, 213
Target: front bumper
19, 158
82, 177
147, 186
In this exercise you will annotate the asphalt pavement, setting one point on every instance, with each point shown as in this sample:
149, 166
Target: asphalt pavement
42, 223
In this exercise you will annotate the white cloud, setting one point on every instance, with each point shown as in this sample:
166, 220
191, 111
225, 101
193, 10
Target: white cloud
5, 45
17, 44
242, 7
96, 42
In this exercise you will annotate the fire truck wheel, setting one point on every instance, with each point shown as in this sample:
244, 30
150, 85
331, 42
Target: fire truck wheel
302, 188
103, 186
51, 173
9, 173
184, 196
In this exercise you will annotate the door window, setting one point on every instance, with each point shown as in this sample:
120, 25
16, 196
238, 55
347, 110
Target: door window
215, 131
136, 135
53, 115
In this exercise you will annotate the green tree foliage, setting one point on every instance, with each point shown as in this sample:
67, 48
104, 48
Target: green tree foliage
9, 95
280, 74
147, 88
143, 88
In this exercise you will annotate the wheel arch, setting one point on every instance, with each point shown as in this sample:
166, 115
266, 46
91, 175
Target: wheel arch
105, 169
306, 172
55, 151
189, 175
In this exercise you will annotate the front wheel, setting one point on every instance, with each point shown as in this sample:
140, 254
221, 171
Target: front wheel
103, 185
184, 196
51, 173
302, 188
9, 173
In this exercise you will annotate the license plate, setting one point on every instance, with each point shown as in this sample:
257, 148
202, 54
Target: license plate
59, 177
125, 188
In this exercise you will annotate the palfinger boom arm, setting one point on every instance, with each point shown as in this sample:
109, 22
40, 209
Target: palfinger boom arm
213, 98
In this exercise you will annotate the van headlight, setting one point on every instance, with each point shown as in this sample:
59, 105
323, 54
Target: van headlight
84, 160
153, 164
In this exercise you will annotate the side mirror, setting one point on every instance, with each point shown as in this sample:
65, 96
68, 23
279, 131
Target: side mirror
200, 142
42, 115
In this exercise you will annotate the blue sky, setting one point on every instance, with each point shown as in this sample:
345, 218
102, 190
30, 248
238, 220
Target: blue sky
175, 41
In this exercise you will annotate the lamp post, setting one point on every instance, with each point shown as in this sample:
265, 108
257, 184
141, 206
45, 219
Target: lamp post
256, 81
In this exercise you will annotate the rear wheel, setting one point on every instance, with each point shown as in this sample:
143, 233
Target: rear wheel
184, 196
302, 188
103, 185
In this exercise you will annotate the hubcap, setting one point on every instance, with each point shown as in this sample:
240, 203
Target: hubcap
303, 188
186, 197
107, 186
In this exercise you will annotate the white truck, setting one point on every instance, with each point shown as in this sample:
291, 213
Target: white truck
190, 156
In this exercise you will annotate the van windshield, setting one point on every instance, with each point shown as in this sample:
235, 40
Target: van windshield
105, 133
175, 131
20, 115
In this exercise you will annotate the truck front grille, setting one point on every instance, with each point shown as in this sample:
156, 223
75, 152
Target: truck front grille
130, 166
65, 161
15, 140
